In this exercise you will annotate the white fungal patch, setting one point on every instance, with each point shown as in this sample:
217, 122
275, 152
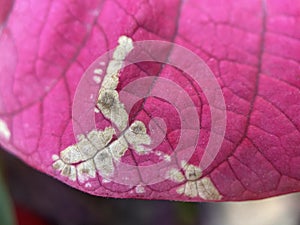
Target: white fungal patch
207, 190
4, 131
194, 186
82, 154
65, 169
58, 165
125, 46
71, 154
203, 188
175, 175
86, 170
118, 147
88, 146
108, 100
137, 136
111, 78
111, 107
69, 171
189, 189
96, 153
104, 163
93, 154
192, 172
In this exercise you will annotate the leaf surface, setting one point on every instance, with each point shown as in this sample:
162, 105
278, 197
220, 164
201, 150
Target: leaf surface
251, 47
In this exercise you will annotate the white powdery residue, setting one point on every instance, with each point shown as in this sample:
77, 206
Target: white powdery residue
85, 171
98, 71
118, 148
192, 172
194, 186
139, 189
124, 47
202, 188
175, 175
69, 171
87, 147
207, 190
58, 165
97, 79
71, 155
4, 131
111, 107
93, 153
108, 99
81, 154
137, 136
104, 163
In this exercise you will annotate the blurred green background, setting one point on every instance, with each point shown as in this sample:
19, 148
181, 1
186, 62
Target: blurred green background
28, 197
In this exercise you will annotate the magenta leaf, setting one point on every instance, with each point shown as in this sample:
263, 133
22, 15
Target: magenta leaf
252, 49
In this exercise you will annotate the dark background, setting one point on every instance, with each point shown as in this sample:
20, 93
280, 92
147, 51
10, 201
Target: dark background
55, 203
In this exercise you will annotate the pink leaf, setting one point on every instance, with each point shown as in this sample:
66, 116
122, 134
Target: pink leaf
252, 48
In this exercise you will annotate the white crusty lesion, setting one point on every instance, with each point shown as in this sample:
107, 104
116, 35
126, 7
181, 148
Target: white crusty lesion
111, 107
97, 152
108, 100
97, 79
66, 170
193, 185
87, 146
137, 137
104, 163
86, 170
